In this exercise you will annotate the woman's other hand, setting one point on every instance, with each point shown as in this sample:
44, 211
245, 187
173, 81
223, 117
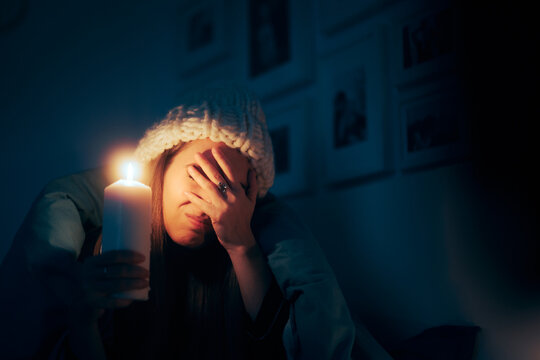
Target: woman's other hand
228, 193
100, 277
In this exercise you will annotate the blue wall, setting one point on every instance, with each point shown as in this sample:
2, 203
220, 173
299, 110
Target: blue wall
78, 79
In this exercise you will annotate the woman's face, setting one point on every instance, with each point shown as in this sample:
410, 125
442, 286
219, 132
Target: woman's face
185, 223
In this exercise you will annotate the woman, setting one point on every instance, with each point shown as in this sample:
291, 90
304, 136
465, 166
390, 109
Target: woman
234, 273
203, 250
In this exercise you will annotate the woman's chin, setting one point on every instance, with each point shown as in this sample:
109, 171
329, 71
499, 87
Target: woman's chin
192, 240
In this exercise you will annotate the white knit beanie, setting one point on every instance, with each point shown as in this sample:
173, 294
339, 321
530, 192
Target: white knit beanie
230, 114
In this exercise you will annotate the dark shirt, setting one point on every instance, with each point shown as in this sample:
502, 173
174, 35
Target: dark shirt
260, 339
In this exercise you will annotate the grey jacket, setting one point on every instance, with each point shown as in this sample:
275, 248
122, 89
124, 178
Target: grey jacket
36, 274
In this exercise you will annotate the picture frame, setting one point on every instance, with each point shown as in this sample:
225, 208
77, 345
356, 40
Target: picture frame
202, 35
433, 126
353, 110
287, 127
279, 52
336, 15
425, 43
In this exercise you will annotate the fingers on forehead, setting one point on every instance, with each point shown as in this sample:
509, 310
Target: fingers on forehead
209, 167
233, 163
225, 162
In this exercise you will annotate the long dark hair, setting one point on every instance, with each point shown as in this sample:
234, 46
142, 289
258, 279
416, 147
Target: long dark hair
195, 308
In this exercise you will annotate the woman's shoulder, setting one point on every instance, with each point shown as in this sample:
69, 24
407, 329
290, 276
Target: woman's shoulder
282, 234
274, 215
267, 201
291, 249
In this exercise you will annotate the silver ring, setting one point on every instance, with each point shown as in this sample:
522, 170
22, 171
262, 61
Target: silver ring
223, 187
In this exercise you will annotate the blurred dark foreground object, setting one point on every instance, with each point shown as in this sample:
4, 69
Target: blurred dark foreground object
439, 343
492, 223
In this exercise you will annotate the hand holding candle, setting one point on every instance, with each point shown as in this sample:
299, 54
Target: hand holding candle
127, 223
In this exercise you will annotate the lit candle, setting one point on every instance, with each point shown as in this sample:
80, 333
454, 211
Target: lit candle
127, 222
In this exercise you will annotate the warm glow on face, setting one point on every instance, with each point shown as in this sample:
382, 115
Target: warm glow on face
186, 223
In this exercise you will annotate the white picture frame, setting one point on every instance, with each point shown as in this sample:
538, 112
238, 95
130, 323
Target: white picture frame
202, 35
357, 73
287, 126
433, 127
336, 15
425, 43
285, 58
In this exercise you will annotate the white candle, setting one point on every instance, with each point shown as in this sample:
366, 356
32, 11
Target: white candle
127, 215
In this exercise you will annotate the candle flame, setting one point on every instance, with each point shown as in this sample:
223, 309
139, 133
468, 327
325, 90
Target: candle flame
130, 172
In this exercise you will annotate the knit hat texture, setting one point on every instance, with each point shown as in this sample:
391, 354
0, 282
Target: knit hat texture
230, 114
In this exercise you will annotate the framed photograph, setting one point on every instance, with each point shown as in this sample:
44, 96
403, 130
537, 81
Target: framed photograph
201, 35
353, 110
279, 46
425, 44
335, 15
433, 127
269, 35
287, 127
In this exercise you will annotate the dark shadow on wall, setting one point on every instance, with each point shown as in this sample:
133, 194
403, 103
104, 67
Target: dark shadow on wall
499, 265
